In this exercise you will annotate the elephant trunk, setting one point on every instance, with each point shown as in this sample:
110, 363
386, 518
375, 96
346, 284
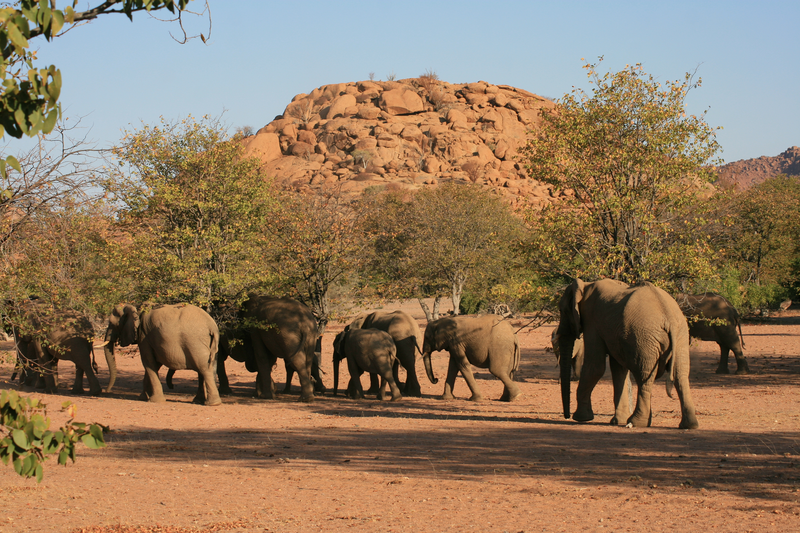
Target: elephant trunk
566, 344
426, 358
108, 351
336, 363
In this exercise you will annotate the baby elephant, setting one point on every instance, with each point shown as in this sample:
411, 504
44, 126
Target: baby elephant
366, 350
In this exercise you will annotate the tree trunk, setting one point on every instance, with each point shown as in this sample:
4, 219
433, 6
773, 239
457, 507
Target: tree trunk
458, 290
430, 316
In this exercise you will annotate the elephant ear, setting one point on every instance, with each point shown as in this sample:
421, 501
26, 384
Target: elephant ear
577, 288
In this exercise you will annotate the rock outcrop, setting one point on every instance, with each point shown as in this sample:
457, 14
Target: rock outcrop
749, 172
405, 134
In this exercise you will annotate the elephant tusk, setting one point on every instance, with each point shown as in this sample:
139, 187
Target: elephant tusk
100, 345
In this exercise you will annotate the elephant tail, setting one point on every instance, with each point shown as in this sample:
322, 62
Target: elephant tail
212, 348
517, 356
670, 368
739, 324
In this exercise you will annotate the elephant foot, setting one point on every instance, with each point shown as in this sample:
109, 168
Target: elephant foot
509, 396
614, 421
638, 422
200, 400
742, 369
583, 415
213, 402
447, 396
416, 393
158, 399
225, 391
476, 398
306, 399
97, 392
79, 391
397, 397
724, 370
688, 422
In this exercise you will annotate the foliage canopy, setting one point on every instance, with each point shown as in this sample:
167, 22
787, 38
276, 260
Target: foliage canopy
632, 163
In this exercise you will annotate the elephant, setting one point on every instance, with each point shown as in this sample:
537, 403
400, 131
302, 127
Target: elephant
577, 354
641, 329
237, 345
369, 350
406, 335
178, 336
44, 337
280, 327
486, 341
713, 306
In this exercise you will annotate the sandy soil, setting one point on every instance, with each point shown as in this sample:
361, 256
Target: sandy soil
423, 464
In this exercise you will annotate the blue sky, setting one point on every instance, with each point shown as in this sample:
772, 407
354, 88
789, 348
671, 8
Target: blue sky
261, 53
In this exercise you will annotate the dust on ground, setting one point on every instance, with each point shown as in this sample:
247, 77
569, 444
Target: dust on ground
423, 464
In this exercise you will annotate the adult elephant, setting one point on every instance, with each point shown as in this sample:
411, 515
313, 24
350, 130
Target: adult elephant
285, 328
642, 330
485, 341
405, 332
709, 305
43, 337
178, 336
366, 350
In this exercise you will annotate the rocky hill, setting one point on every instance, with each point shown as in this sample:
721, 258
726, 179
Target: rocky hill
404, 134
748, 172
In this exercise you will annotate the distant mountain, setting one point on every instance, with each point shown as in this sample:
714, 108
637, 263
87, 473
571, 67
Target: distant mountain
749, 172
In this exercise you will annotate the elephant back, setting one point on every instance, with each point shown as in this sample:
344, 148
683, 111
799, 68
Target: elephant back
286, 324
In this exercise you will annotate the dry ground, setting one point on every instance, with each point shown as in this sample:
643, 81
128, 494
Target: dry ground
423, 464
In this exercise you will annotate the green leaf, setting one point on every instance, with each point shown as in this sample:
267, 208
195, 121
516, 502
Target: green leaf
39, 473
20, 439
11, 160
15, 36
62, 457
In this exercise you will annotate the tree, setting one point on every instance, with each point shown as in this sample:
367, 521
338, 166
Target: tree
193, 209
318, 242
439, 241
631, 164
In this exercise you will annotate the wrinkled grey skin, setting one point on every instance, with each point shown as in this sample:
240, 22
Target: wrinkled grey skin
180, 337
366, 350
577, 354
407, 337
485, 341
641, 329
711, 305
285, 328
66, 336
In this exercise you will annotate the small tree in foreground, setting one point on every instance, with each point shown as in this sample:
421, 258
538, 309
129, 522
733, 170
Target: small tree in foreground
632, 163
25, 438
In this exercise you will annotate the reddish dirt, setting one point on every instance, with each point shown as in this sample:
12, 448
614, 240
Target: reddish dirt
423, 464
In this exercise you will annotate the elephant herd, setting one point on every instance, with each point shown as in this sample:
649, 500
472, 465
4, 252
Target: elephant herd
641, 329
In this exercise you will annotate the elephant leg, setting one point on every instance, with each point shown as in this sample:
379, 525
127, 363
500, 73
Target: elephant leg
382, 388
450, 381
722, 367
153, 391
94, 384
49, 365
207, 387
287, 388
642, 415
622, 391
396, 394
200, 395
411, 387
591, 372
222, 375
374, 383
77, 386
466, 371
302, 365
267, 386
688, 414
511, 390
741, 362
